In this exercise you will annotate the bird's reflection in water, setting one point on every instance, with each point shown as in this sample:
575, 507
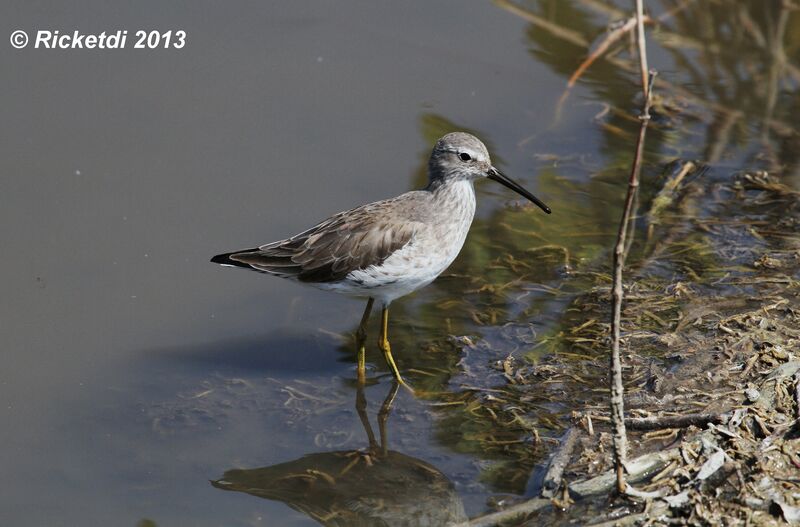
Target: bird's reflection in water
373, 486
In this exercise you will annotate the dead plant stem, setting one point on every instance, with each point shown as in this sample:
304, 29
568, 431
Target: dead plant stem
642, 45
619, 436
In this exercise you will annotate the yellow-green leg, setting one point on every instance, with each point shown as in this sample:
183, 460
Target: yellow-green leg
361, 338
383, 344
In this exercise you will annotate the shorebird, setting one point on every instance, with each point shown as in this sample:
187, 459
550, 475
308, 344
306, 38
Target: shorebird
387, 249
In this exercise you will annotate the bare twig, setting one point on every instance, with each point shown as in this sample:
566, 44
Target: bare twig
552, 479
619, 32
515, 512
619, 437
666, 197
654, 510
673, 421
601, 48
612, 37
644, 70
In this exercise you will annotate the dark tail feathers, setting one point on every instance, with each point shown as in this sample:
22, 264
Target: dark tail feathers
225, 258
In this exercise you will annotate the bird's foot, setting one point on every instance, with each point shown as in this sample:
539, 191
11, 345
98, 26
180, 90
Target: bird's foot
405, 385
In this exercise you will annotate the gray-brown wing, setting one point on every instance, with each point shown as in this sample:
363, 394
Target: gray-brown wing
348, 241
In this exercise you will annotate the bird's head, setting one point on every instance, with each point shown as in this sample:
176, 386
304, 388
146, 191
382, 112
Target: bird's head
459, 155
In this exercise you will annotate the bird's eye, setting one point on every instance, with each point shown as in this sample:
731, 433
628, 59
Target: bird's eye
464, 156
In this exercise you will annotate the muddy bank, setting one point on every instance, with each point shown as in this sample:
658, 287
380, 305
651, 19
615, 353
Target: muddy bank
710, 339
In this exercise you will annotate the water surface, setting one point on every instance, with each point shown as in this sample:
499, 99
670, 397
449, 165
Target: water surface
136, 371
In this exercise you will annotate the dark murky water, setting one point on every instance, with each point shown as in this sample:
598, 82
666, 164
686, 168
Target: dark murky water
135, 371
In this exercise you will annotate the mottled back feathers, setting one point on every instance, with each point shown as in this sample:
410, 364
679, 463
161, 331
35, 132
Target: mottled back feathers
348, 241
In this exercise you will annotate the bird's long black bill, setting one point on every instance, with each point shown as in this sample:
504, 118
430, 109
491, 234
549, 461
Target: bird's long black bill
498, 176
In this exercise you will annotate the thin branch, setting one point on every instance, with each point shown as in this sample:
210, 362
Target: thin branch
516, 512
619, 436
611, 38
674, 421
642, 45
601, 48
559, 461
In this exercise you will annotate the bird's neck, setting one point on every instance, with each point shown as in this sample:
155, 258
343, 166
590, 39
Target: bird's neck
457, 195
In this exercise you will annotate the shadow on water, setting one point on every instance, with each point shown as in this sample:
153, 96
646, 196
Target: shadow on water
370, 486
283, 350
